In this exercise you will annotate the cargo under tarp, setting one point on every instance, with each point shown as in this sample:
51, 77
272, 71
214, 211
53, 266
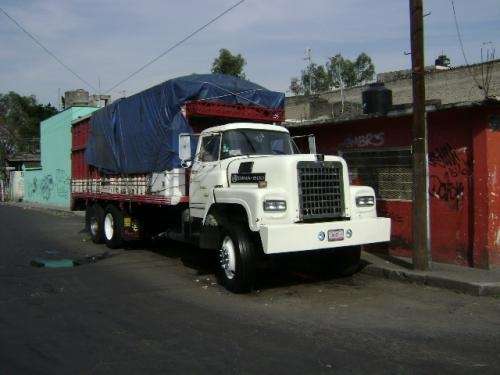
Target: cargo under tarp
140, 134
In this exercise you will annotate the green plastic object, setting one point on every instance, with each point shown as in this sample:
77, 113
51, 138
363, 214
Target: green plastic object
58, 263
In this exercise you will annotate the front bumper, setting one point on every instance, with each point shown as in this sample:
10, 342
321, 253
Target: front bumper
302, 236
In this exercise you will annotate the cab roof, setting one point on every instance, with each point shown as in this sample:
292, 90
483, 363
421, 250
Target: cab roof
245, 125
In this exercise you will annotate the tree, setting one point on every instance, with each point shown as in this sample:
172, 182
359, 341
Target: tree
337, 71
22, 114
352, 73
20, 117
227, 63
314, 79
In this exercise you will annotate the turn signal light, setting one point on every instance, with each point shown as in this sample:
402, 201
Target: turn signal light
274, 205
366, 201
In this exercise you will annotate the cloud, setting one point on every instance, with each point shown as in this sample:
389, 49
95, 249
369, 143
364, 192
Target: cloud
110, 39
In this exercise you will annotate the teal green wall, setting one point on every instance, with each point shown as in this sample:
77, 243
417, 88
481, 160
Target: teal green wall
50, 185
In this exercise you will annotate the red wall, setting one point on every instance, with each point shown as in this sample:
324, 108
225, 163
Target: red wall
486, 178
450, 174
464, 194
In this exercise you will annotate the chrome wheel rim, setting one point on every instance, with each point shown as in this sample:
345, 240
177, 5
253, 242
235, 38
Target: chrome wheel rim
94, 226
109, 229
227, 257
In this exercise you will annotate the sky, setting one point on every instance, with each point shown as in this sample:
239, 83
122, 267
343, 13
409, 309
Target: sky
104, 41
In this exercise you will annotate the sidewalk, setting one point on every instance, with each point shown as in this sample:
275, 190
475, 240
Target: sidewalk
43, 207
472, 281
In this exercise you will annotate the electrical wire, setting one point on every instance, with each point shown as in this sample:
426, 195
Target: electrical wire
49, 52
174, 46
459, 35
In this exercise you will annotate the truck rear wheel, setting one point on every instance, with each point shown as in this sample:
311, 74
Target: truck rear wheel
113, 227
236, 257
94, 222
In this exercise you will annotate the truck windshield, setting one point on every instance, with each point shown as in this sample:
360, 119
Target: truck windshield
238, 142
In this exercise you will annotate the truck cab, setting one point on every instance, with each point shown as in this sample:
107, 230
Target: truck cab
252, 194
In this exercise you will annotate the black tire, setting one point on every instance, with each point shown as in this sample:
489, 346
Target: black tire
347, 260
113, 238
94, 220
242, 278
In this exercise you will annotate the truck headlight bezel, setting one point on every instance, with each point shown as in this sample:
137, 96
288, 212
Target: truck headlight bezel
274, 205
365, 201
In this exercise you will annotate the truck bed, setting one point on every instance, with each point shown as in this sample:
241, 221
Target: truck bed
167, 188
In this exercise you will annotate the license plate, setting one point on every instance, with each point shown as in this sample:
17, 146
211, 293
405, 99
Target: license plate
335, 235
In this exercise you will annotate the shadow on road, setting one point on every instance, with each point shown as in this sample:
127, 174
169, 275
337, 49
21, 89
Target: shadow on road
274, 271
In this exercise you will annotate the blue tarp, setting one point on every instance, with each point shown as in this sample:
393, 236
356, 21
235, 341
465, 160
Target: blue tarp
140, 134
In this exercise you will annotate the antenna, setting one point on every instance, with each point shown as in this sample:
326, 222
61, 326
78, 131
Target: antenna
487, 59
341, 81
308, 58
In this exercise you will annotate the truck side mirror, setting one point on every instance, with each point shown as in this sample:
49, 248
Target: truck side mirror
185, 149
311, 140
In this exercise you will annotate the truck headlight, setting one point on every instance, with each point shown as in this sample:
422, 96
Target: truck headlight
365, 201
274, 205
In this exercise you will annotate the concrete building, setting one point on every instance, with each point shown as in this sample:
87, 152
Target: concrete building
20, 159
82, 98
444, 85
49, 184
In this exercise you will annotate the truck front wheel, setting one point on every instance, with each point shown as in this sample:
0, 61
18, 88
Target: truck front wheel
236, 260
113, 227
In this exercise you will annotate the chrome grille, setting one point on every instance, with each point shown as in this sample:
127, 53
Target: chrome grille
320, 189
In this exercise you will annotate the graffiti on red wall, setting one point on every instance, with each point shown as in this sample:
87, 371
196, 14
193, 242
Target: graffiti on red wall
365, 140
450, 167
447, 190
447, 158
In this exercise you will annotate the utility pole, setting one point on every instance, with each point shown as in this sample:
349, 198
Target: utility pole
421, 231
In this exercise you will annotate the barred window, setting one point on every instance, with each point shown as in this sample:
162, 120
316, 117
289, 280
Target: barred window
387, 170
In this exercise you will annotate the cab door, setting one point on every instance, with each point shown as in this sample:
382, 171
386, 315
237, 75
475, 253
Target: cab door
205, 174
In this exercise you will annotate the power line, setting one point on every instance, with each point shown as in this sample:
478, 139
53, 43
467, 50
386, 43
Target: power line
459, 35
32, 37
176, 45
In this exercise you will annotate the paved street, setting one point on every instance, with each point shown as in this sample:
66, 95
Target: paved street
158, 310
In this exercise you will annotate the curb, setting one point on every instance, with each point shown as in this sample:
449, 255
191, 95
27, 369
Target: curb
467, 287
40, 207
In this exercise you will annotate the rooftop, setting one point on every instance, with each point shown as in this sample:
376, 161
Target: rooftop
397, 111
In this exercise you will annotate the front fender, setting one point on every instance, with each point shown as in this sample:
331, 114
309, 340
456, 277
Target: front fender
246, 198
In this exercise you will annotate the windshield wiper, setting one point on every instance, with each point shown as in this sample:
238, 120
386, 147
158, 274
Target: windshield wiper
247, 139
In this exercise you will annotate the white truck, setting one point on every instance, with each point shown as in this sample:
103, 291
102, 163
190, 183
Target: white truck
247, 193
250, 194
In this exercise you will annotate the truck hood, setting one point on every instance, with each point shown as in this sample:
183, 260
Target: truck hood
277, 170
